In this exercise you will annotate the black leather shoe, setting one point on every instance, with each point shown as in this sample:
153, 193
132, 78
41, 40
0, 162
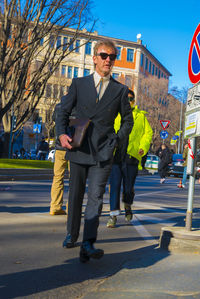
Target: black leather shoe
68, 243
89, 251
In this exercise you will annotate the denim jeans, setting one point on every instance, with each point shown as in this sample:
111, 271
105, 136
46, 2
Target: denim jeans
184, 175
125, 173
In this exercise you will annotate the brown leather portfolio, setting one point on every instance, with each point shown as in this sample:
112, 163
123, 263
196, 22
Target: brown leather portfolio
78, 128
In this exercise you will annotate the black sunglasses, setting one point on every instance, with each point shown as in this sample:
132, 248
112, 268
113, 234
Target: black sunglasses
104, 56
131, 99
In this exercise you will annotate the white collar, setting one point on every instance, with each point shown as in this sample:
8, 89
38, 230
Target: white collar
97, 78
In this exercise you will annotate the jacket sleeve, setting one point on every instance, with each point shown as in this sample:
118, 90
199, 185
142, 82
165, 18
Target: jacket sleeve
126, 116
146, 139
68, 102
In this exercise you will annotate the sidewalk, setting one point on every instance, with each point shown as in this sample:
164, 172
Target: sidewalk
157, 275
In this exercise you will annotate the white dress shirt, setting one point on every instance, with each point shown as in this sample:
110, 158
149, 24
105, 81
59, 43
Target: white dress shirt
97, 79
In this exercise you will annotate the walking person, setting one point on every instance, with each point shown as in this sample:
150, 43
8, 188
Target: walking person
60, 166
127, 161
165, 158
100, 98
185, 158
42, 149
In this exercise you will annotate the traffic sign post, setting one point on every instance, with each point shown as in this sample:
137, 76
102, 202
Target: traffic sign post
192, 118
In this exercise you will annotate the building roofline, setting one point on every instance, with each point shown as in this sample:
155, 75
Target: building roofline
139, 45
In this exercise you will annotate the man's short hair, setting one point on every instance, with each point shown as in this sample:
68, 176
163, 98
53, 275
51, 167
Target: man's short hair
132, 93
105, 42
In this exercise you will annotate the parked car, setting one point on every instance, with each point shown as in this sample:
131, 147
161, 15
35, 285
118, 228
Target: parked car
176, 167
152, 161
51, 155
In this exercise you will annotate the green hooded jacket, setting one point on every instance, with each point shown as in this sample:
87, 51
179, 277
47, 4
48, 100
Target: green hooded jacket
140, 136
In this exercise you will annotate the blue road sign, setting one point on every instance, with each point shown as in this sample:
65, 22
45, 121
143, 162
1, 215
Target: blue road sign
164, 134
37, 128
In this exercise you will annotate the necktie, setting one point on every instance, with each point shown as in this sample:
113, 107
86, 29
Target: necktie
99, 88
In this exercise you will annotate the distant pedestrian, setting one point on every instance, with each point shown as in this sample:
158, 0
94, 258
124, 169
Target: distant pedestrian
185, 157
165, 158
42, 149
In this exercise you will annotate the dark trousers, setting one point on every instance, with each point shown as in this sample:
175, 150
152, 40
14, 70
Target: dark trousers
162, 169
127, 174
97, 176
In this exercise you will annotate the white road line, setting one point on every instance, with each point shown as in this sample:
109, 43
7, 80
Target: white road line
142, 231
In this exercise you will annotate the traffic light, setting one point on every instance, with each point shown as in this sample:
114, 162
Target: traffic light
14, 119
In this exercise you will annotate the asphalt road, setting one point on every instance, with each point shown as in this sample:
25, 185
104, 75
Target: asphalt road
34, 264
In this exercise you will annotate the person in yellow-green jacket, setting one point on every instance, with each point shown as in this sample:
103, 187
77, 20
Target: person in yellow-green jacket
127, 161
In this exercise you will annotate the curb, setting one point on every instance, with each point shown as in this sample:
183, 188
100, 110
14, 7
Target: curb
178, 239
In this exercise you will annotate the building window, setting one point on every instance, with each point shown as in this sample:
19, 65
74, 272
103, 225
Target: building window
51, 41
65, 43
156, 71
48, 91
71, 44
62, 91
146, 63
63, 70
115, 76
41, 41
130, 55
75, 72
55, 91
118, 53
88, 48
77, 50
69, 72
159, 74
142, 59
153, 69
149, 66
58, 42
57, 71
86, 72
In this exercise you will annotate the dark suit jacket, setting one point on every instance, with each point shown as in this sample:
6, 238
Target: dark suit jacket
100, 140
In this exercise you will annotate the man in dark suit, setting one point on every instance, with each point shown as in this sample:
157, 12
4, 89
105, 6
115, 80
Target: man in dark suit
100, 98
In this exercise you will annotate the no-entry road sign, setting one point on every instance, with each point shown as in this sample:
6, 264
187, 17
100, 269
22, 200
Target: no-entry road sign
194, 57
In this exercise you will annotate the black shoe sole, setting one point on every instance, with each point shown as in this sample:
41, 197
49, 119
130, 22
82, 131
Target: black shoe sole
84, 257
69, 245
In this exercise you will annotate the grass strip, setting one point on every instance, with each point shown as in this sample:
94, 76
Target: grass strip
25, 164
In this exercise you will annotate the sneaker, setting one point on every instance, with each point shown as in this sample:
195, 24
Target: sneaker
128, 212
112, 222
58, 212
162, 181
183, 186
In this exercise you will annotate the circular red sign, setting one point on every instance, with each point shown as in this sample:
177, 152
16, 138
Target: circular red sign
194, 57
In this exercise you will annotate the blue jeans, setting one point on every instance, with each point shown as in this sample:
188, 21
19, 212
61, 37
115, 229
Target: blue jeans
184, 175
125, 173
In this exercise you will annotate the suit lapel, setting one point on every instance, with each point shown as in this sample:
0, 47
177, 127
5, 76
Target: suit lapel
109, 95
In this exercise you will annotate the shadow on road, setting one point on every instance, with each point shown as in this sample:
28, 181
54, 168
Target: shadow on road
72, 271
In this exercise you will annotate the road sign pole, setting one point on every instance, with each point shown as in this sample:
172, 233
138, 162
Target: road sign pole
188, 223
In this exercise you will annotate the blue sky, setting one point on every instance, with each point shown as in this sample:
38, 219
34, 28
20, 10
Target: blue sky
167, 28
